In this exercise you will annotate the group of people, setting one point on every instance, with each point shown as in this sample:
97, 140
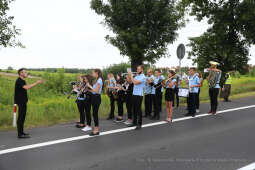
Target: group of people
130, 88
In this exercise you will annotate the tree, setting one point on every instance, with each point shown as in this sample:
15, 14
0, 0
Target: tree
8, 31
142, 28
226, 41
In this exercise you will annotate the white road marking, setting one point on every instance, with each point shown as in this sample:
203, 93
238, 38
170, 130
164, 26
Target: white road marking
248, 167
38, 145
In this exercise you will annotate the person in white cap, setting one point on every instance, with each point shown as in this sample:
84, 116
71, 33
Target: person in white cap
214, 86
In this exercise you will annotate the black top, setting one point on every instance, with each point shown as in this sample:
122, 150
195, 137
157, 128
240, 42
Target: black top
20, 95
130, 89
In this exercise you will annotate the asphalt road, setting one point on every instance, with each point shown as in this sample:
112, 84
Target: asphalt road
221, 142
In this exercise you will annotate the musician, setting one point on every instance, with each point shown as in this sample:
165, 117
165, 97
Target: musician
176, 90
193, 84
200, 76
88, 80
162, 90
214, 86
226, 90
139, 83
80, 100
128, 98
110, 88
157, 90
148, 93
169, 95
120, 87
96, 91
21, 99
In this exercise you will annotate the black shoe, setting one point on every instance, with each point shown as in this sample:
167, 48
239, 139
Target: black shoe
23, 136
110, 118
138, 127
26, 134
94, 134
157, 117
153, 118
118, 120
80, 126
131, 125
193, 115
187, 114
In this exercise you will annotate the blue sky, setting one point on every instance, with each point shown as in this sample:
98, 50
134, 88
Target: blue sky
65, 33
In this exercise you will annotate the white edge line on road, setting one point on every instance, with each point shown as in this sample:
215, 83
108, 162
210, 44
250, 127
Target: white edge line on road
248, 167
6, 151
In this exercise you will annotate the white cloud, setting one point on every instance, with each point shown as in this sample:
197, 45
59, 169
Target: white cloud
64, 33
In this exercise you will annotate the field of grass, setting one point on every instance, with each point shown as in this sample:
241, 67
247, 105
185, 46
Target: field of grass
49, 107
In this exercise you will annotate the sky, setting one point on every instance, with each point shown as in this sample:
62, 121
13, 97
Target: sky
67, 33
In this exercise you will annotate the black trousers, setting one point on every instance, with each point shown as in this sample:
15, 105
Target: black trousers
129, 106
95, 101
213, 93
197, 99
137, 110
157, 99
227, 91
112, 101
81, 108
87, 110
192, 103
176, 96
148, 104
160, 101
21, 117
120, 103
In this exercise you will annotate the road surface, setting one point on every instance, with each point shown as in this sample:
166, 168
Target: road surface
221, 142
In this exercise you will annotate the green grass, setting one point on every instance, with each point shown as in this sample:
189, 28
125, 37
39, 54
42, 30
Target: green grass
47, 107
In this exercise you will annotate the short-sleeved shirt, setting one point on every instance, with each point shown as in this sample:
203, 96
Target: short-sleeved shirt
156, 81
138, 88
99, 81
169, 82
148, 87
112, 82
163, 78
20, 95
194, 80
179, 81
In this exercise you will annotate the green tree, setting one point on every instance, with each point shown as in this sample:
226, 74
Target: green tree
228, 38
142, 28
8, 31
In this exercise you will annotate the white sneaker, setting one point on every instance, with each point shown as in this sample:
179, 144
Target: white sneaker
197, 110
127, 122
87, 128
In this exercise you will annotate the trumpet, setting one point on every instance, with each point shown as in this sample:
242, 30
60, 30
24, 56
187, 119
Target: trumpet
125, 74
164, 82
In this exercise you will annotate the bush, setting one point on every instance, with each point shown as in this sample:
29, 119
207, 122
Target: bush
236, 74
252, 72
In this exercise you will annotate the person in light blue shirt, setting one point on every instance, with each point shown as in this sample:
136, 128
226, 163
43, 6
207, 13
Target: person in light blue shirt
193, 84
148, 93
157, 94
162, 90
110, 88
96, 91
176, 90
169, 95
139, 83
